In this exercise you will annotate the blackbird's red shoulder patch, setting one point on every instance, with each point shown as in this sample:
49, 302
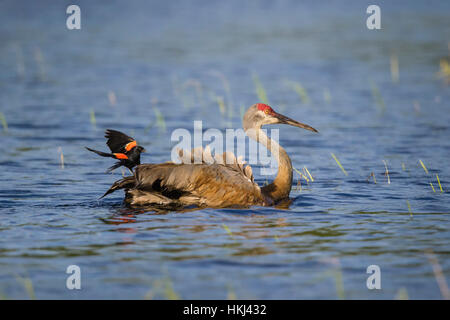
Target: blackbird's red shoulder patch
130, 145
120, 156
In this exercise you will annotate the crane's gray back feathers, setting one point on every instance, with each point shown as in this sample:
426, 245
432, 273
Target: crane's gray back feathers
202, 155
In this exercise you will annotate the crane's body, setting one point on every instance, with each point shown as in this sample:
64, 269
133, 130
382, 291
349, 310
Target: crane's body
220, 181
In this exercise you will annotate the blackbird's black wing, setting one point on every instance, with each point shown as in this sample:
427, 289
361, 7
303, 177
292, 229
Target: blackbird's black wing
119, 142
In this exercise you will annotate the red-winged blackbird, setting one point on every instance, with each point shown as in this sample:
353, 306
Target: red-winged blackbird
123, 148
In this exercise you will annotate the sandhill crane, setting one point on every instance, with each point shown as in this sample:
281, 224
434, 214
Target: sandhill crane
214, 183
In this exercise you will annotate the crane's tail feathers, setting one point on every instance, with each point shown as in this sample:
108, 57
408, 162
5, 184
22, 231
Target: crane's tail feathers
103, 154
125, 183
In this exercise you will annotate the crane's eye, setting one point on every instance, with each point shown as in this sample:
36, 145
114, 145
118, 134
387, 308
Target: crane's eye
266, 111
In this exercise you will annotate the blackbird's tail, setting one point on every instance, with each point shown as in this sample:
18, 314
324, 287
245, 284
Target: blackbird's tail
115, 166
103, 154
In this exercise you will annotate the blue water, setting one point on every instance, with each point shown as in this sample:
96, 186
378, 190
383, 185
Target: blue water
129, 60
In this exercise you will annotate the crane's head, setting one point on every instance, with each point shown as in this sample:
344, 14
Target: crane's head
261, 114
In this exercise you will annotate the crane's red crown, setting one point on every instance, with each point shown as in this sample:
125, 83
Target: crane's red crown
264, 108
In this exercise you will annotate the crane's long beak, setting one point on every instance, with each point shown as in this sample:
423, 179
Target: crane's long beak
286, 120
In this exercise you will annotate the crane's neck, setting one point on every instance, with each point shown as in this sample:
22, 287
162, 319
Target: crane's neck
281, 187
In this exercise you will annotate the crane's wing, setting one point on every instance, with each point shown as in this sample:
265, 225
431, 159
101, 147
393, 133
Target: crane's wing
227, 159
119, 142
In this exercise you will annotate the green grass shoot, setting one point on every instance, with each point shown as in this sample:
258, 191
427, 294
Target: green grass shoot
301, 174
242, 111
169, 291
373, 176
395, 74
300, 90
39, 58
92, 116
326, 95
28, 285
431, 184
339, 280
438, 274
426, 171
377, 97
409, 208
3, 121
231, 295
339, 164
386, 173
423, 166
221, 104
402, 294
309, 174
439, 182
444, 70
337, 275
61, 157
160, 122
225, 227
260, 91
3, 296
